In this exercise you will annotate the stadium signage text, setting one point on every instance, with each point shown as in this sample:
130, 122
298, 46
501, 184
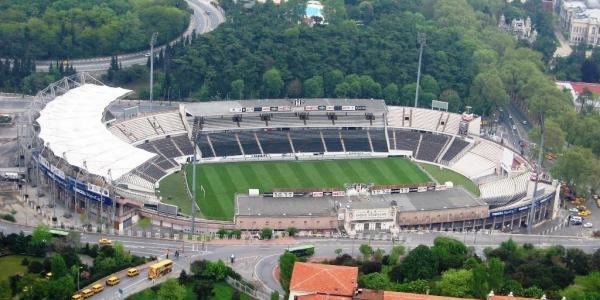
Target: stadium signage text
286, 108
370, 214
521, 208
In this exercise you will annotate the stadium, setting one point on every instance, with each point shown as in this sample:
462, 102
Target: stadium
319, 165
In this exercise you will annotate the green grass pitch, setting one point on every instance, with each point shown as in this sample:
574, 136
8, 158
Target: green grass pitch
222, 180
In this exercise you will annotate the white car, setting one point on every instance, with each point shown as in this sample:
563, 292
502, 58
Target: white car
588, 225
573, 210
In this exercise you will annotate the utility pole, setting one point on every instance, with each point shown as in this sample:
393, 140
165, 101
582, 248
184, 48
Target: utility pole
422, 40
538, 170
152, 42
194, 181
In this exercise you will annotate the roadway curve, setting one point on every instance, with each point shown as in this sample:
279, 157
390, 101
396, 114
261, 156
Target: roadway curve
256, 260
200, 22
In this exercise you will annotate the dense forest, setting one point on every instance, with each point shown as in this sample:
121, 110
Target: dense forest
368, 49
450, 268
64, 29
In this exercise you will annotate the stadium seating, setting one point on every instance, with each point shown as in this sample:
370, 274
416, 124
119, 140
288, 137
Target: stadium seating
136, 182
489, 150
332, 140
406, 140
307, 141
504, 191
425, 119
453, 123
473, 165
274, 141
184, 144
149, 127
204, 146
378, 140
431, 145
167, 148
356, 141
455, 148
225, 144
248, 142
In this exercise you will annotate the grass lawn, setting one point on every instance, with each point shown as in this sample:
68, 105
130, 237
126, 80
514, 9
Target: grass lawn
173, 191
221, 290
222, 181
448, 175
11, 265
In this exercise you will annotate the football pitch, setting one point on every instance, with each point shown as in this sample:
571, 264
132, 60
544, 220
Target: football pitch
221, 181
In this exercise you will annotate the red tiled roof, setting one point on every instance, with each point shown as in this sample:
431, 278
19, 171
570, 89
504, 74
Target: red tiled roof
324, 279
409, 296
322, 297
579, 87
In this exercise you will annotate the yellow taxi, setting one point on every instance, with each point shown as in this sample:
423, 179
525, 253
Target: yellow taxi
133, 272
87, 293
104, 241
97, 288
113, 280
584, 213
77, 297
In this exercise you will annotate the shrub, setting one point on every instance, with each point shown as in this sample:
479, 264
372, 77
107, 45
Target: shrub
9, 217
25, 262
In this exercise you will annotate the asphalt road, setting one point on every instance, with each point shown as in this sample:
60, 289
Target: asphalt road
205, 18
256, 261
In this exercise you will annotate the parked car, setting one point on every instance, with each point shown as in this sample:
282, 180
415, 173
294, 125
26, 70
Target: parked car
104, 241
573, 210
588, 225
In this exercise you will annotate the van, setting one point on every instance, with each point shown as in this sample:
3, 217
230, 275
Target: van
97, 288
77, 297
133, 272
576, 220
87, 293
113, 280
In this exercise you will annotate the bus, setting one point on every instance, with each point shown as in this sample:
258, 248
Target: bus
302, 251
160, 268
58, 232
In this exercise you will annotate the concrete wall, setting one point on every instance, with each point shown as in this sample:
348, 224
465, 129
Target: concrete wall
284, 222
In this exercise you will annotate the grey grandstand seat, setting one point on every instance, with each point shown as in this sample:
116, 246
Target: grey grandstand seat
378, 140
356, 140
204, 146
431, 145
275, 141
457, 146
307, 140
167, 147
184, 144
165, 163
332, 140
407, 140
147, 146
225, 144
248, 142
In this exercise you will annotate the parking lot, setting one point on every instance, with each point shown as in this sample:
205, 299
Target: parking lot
580, 230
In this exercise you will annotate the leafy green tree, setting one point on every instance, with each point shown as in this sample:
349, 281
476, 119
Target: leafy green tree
237, 89
5, 293
450, 253
378, 255
286, 266
487, 92
395, 254
375, 281
59, 268
272, 83
366, 251
313, 87
479, 284
266, 233
275, 295
585, 287
574, 167
171, 290
331, 80
338, 252
420, 263
577, 261
495, 273
391, 93
455, 283
41, 235
61, 288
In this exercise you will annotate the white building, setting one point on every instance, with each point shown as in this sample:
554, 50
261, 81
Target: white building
580, 21
521, 29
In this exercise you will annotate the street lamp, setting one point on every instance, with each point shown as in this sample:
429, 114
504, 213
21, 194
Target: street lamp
422, 40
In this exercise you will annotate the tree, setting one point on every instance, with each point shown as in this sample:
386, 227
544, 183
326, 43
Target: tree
479, 283
366, 251
272, 83
554, 136
574, 167
41, 235
378, 255
420, 263
338, 252
375, 281
585, 287
487, 92
391, 93
266, 233
61, 288
395, 254
450, 253
313, 87
577, 261
455, 283
5, 293
237, 89
171, 290
292, 231
275, 295
286, 266
59, 268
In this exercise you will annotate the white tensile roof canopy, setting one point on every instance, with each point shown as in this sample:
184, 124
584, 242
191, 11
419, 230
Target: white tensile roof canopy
71, 126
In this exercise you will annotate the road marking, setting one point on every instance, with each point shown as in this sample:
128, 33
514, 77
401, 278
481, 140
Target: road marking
127, 287
256, 273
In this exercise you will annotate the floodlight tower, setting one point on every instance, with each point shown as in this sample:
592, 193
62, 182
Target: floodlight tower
538, 171
422, 40
152, 42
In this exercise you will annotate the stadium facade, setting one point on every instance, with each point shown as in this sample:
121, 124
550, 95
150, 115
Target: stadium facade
105, 158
